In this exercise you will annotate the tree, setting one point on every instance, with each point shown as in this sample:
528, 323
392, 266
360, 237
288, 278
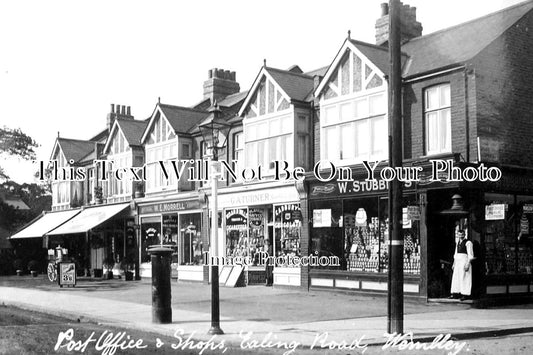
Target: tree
14, 142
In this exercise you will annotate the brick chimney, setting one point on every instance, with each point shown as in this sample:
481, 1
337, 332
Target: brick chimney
220, 83
411, 28
118, 111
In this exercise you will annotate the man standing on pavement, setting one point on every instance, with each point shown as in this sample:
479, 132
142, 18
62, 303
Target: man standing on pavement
462, 268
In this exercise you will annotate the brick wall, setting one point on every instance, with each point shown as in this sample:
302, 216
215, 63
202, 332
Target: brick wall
413, 113
504, 80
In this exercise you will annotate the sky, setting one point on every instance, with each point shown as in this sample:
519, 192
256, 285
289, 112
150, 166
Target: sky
63, 63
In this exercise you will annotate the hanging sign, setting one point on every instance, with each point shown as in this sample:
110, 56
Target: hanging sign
495, 212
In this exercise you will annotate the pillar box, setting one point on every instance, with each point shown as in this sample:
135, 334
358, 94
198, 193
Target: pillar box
161, 292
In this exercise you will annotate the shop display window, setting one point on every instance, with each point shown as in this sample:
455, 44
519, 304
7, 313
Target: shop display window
357, 231
508, 240
256, 239
150, 235
287, 229
237, 232
327, 231
170, 234
191, 244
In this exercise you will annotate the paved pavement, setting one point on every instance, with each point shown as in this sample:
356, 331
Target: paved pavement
289, 315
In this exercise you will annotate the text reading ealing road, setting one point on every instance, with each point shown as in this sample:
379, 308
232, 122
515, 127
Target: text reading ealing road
200, 170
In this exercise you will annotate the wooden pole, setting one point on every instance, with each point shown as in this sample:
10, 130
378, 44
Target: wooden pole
395, 309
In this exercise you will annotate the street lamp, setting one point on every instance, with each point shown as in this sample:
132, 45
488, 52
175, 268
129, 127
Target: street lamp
214, 132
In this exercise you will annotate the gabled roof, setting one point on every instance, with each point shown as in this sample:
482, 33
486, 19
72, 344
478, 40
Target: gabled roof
296, 85
133, 130
378, 55
460, 43
182, 119
75, 149
361, 49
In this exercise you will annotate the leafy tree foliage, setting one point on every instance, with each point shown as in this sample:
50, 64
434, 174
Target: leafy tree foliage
16, 143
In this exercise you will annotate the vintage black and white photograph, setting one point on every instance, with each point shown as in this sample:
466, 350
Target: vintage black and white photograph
266, 177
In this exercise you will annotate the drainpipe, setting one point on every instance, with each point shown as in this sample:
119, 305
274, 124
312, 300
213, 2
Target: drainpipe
467, 120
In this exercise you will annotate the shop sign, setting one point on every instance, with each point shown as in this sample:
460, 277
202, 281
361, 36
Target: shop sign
413, 213
528, 208
236, 219
351, 188
321, 218
256, 218
289, 212
495, 212
67, 274
170, 221
169, 207
249, 198
524, 225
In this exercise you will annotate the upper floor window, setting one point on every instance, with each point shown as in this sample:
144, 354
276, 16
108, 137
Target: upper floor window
437, 114
61, 188
121, 157
161, 146
268, 141
238, 151
355, 130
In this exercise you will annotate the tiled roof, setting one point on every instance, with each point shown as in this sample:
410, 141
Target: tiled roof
75, 149
232, 100
182, 119
320, 71
297, 86
90, 158
100, 137
460, 43
133, 130
378, 55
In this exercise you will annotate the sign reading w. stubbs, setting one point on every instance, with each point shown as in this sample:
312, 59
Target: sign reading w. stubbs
351, 187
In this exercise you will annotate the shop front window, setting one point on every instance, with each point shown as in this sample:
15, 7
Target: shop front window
150, 235
357, 232
508, 240
191, 244
237, 232
287, 229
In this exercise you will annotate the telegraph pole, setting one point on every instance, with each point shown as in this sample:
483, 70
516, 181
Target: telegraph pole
395, 306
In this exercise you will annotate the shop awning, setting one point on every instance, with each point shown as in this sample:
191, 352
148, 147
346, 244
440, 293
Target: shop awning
45, 224
89, 218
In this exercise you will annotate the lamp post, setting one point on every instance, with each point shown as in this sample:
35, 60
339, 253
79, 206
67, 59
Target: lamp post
214, 130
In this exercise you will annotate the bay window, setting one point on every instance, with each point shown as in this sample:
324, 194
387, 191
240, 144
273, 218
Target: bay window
355, 130
269, 140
